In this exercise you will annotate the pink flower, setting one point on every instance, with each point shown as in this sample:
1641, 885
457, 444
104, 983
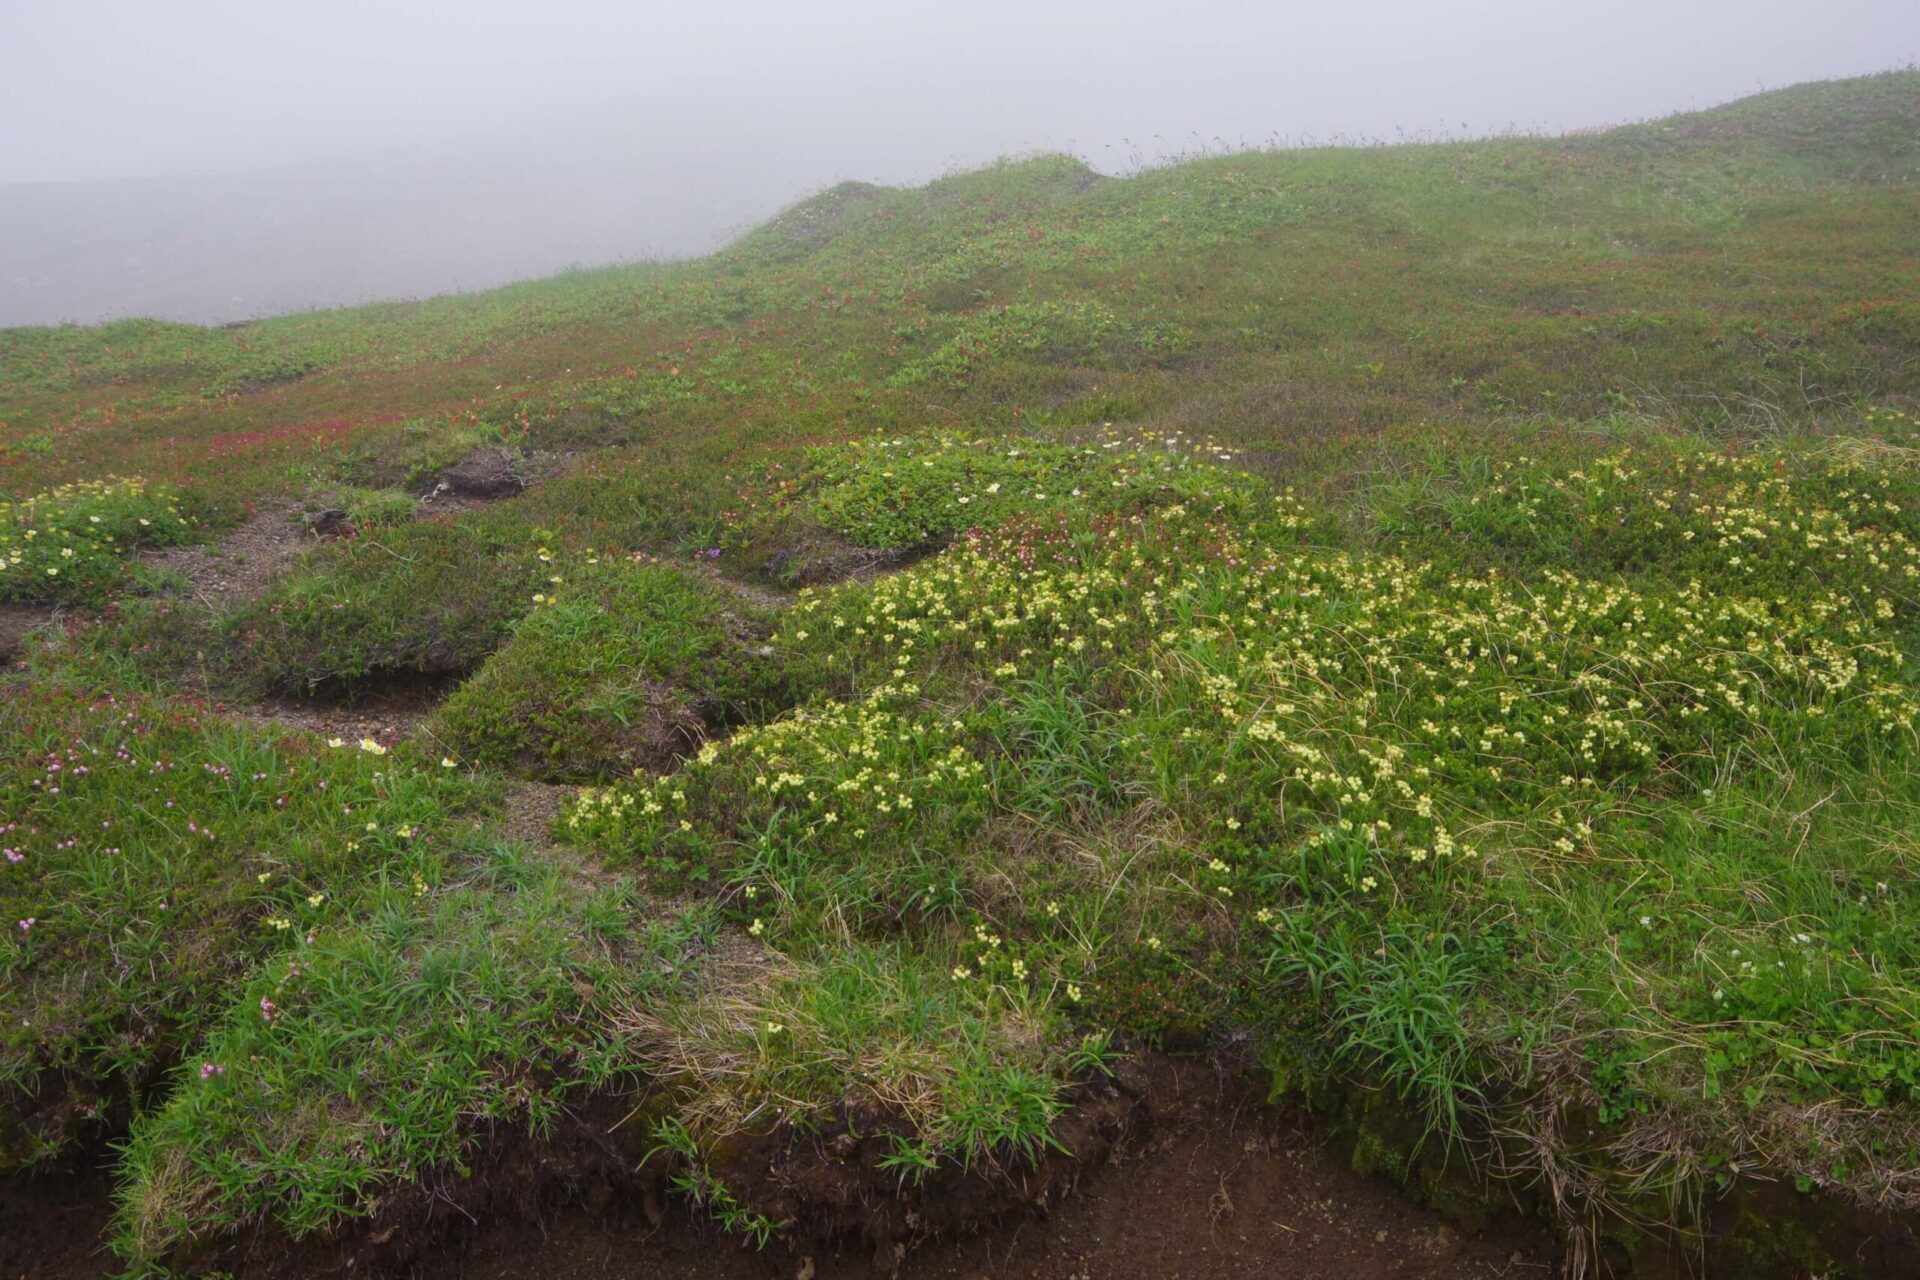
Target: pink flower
26, 926
268, 1008
208, 1070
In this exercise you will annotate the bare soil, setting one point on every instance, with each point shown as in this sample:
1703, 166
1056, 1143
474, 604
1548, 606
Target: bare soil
16, 620
388, 711
239, 565
1195, 1179
488, 474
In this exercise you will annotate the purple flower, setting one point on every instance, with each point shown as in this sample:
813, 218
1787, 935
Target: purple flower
711, 553
26, 926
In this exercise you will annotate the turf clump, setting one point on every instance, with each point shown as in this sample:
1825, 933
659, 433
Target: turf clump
620, 666
382, 1049
154, 855
429, 598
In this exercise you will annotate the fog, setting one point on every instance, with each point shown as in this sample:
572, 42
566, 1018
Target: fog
213, 160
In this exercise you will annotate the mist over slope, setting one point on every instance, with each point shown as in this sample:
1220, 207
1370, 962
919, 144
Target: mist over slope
218, 249
421, 222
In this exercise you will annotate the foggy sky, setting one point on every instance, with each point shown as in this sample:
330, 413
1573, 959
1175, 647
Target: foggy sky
642, 127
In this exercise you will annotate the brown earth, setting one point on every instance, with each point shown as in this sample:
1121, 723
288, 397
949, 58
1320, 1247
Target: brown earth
16, 620
388, 711
1204, 1182
239, 564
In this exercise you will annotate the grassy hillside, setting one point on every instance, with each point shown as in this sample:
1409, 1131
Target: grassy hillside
1441, 619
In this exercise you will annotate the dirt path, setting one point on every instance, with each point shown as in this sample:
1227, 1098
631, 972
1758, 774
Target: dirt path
390, 714
238, 565
766, 599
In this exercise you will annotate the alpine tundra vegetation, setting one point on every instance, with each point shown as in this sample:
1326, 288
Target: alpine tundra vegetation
1435, 624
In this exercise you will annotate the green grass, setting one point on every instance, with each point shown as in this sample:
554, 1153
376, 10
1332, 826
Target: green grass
376, 1052
1442, 615
370, 509
155, 856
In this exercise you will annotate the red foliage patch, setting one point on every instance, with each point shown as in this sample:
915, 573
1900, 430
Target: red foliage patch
234, 441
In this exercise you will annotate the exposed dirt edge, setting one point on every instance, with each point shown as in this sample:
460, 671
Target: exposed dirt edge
1754, 1226
826, 1185
1177, 1168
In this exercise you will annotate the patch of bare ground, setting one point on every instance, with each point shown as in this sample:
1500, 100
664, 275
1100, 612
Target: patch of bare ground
766, 599
17, 621
488, 474
239, 564
52, 1222
388, 711
823, 561
530, 810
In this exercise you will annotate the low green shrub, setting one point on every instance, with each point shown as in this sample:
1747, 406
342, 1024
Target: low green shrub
912, 491
1058, 332
72, 543
1437, 827
434, 597
623, 665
